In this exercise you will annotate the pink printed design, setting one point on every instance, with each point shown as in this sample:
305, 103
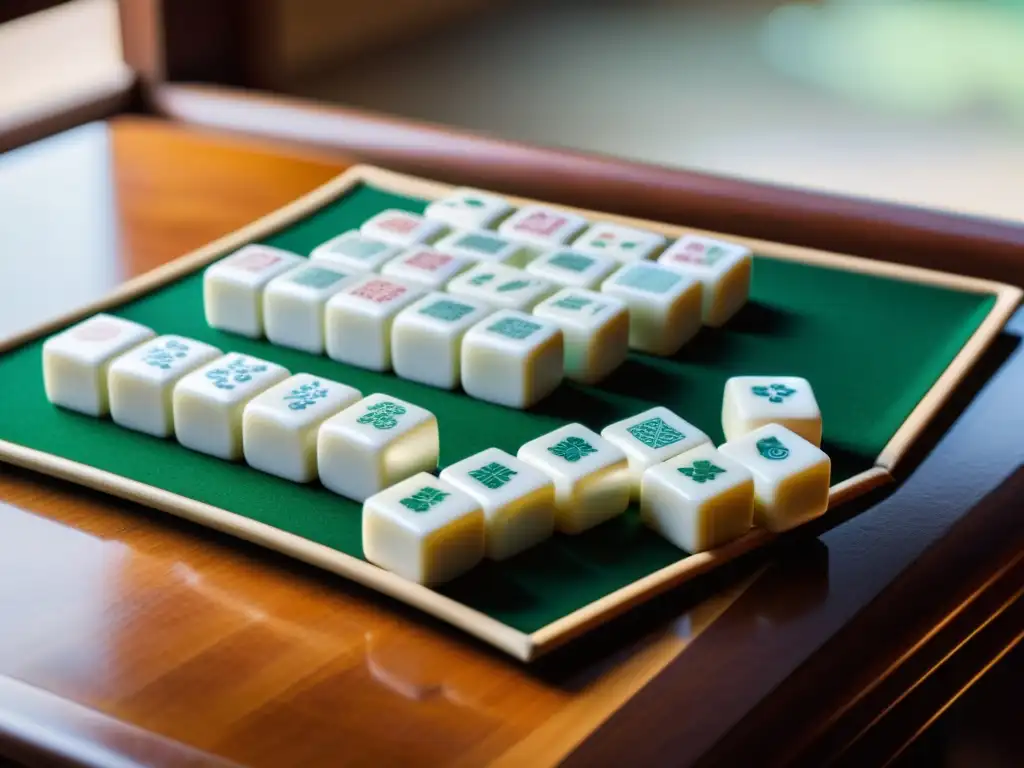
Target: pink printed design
256, 261
541, 223
97, 330
400, 225
380, 291
429, 260
693, 253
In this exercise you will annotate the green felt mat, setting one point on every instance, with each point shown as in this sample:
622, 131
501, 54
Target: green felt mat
871, 347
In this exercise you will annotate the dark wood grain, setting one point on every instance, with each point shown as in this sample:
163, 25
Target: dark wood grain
187, 640
884, 231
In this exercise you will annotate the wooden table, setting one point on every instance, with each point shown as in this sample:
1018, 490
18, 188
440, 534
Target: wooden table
126, 635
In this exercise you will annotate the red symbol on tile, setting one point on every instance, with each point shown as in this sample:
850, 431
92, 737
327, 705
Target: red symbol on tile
542, 223
692, 252
429, 260
380, 291
256, 261
400, 225
97, 330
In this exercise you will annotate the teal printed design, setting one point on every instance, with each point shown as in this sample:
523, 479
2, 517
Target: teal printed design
424, 499
573, 262
702, 471
482, 243
359, 248
647, 277
238, 371
572, 449
714, 254
163, 357
655, 433
574, 303
449, 311
514, 285
493, 475
486, 277
317, 277
514, 327
772, 449
469, 202
382, 415
305, 396
775, 393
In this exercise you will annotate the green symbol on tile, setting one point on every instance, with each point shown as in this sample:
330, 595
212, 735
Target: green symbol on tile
514, 328
447, 310
702, 471
238, 371
655, 433
775, 393
163, 357
573, 262
306, 395
514, 285
493, 475
486, 277
382, 415
471, 202
317, 277
772, 448
647, 277
482, 243
628, 246
359, 248
713, 254
572, 448
424, 499
572, 302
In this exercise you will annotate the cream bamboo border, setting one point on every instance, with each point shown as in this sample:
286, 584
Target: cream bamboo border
518, 644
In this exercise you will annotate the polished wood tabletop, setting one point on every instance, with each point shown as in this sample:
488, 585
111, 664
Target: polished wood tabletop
130, 637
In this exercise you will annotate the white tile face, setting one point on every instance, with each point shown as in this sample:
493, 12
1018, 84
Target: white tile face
353, 252
376, 443
571, 269
518, 499
359, 318
750, 402
426, 338
723, 268
596, 331
542, 226
698, 500
233, 287
791, 476
208, 402
402, 228
424, 530
279, 426
651, 437
428, 267
620, 243
591, 475
76, 361
293, 304
141, 382
502, 287
468, 208
512, 359
485, 246
664, 306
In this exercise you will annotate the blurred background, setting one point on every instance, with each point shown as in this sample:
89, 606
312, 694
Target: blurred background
914, 101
